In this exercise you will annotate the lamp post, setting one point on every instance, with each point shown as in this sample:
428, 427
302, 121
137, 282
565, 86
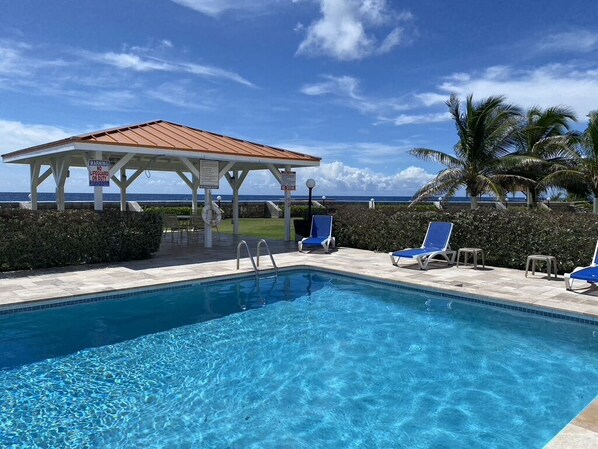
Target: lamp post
324, 200
218, 198
506, 201
310, 184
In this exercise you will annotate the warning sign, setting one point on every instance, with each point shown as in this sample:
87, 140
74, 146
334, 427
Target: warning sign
99, 173
288, 181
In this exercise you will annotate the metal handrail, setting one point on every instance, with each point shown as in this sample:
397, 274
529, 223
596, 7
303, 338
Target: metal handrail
259, 244
241, 243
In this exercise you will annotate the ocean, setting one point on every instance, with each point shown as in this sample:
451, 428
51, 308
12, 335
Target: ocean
12, 197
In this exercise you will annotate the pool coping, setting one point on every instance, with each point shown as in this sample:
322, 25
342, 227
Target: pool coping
582, 431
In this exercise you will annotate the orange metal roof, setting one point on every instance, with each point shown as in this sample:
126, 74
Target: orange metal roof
164, 135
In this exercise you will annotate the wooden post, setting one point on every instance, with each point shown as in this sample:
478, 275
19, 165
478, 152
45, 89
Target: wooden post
123, 189
98, 191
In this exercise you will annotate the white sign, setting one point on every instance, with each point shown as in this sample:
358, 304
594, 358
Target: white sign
99, 173
288, 181
209, 172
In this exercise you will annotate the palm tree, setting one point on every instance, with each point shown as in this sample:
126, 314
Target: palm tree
545, 136
486, 132
581, 171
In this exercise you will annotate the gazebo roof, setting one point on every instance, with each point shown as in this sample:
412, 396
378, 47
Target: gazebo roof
164, 140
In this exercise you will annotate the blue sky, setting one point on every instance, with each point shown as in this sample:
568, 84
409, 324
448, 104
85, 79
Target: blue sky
356, 82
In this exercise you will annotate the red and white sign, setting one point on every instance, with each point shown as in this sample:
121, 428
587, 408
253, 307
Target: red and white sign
99, 173
288, 181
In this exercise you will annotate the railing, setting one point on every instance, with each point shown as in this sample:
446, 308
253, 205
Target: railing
253, 262
244, 243
259, 244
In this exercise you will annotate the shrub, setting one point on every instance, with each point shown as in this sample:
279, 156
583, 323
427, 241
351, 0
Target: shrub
303, 211
168, 210
35, 239
507, 237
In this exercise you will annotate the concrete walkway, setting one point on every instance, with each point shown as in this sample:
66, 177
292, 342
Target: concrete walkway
180, 262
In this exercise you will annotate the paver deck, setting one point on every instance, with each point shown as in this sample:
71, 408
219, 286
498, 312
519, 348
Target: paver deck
178, 262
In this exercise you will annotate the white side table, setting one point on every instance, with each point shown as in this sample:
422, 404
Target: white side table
474, 252
549, 260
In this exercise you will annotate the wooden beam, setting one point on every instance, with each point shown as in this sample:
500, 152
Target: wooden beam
275, 172
183, 176
192, 168
121, 163
226, 168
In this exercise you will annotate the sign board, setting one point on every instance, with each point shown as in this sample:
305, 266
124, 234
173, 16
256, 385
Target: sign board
288, 181
209, 172
99, 174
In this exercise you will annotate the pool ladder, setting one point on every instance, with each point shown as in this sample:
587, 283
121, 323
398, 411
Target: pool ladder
256, 263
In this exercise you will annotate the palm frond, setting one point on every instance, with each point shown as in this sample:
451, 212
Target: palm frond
427, 154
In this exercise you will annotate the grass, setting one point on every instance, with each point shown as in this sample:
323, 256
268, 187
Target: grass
265, 228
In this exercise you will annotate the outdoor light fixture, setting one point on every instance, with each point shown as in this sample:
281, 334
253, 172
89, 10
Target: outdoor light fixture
323, 200
218, 198
310, 184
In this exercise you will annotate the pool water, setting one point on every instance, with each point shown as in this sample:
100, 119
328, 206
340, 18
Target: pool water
312, 360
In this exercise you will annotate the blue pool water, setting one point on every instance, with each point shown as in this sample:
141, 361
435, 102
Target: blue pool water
313, 361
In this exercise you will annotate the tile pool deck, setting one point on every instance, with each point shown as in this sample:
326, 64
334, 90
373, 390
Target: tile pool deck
180, 263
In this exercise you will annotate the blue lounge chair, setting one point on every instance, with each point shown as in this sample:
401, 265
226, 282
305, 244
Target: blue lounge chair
436, 243
320, 235
588, 274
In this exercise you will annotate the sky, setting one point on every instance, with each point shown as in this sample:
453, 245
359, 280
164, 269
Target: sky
356, 82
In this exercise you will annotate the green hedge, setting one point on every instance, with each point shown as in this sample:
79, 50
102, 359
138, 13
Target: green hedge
36, 239
303, 211
168, 210
507, 237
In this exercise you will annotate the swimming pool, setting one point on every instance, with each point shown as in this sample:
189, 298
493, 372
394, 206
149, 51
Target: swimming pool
313, 360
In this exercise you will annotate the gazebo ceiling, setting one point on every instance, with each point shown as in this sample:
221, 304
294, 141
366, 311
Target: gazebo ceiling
162, 143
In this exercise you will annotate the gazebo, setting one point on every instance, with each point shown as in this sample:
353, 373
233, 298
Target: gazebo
200, 158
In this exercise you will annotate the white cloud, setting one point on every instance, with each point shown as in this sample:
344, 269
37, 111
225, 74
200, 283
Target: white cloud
578, 41
131, 61
177, 94
346, 90
17, 135
15, 62
337, 85
110, 80
366, 153
572, 85
345, 30
215, 72
337, 178
431, 99
215, 8
419, 119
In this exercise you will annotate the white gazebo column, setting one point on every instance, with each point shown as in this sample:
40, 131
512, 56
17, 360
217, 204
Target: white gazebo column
34, 176
235, 187
235, 182
123, 189
287, 212
98, 191
37, 180
287, 201
194, 187
60, 168
122, 183
208, 227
